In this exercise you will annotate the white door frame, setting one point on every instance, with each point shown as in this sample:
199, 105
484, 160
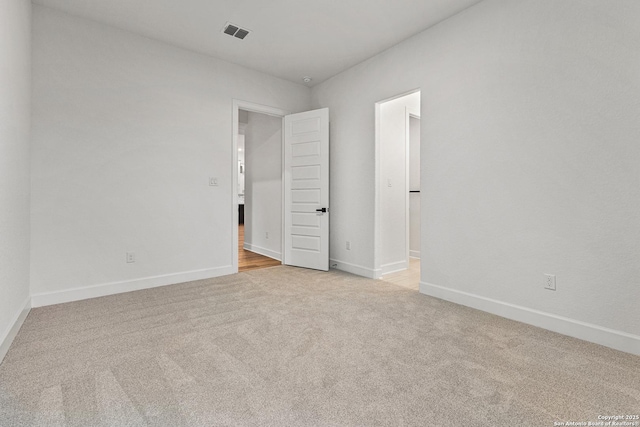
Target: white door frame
254, 108
377, 233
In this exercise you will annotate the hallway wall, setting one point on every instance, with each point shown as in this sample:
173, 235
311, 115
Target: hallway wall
263, 185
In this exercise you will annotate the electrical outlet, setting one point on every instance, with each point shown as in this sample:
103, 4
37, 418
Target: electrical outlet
131, 257
348, 245
266, 234
550, 282
213, 181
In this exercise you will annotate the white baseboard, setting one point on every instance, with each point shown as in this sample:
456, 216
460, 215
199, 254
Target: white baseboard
354, 269
263, 251
574, 328
7, 337
76, 294
394, 267
414, 254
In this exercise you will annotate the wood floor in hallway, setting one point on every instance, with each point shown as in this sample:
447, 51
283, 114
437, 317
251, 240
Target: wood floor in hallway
248, 260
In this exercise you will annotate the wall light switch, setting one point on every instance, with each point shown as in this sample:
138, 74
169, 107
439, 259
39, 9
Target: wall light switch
213, 182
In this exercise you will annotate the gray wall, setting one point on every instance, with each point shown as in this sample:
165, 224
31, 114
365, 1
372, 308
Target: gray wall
530, 155
127, 132
15, 114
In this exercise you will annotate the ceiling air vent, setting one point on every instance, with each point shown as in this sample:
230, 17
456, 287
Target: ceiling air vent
241, 33
235, 31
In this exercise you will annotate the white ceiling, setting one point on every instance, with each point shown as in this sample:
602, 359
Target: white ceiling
290, 38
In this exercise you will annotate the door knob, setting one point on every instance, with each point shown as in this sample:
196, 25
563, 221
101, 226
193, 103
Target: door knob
321, 210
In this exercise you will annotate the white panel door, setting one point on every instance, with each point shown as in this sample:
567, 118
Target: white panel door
306, 189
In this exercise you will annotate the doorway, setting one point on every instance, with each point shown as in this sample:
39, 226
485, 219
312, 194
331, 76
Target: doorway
258, 142
397, 219
300, 171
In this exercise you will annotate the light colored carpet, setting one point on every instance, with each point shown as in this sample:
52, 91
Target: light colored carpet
293, 347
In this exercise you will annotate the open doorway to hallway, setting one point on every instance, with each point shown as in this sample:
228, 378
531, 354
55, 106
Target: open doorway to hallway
283, 219
398, 189
259, 190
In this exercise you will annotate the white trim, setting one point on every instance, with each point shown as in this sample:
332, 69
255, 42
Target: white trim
354, 269
256, 108
414, 254
263, 251
282, 192
394, 267
76, 294
574, 328
407, 178
377, 226
13, 328
259, 108
234, 185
